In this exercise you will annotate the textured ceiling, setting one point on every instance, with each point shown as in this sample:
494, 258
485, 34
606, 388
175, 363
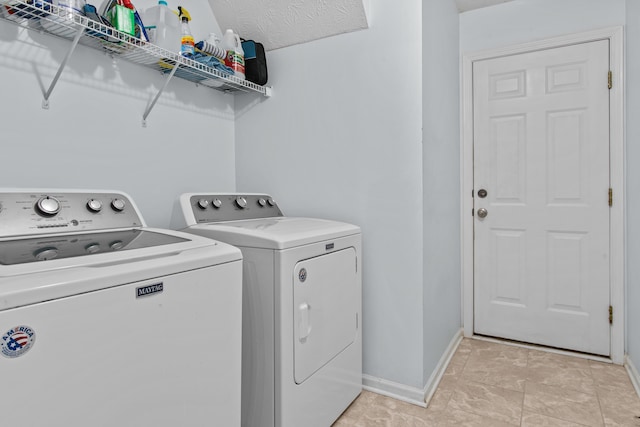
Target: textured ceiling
465, 5
280, 23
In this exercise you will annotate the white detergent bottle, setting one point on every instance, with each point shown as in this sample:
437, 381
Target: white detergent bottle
212, 47
235, 54
163, 26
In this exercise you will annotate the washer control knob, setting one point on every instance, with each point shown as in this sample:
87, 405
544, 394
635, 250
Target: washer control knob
203, 203
116, 245
262, 202
271, 202
118, 205
241, 202
45, 254
94, 205
92, 248
216, 203
48, 206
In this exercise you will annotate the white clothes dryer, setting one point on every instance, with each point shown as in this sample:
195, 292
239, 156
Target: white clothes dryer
105, 322
302, 306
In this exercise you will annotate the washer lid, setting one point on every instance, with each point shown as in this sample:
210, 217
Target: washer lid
44, 248
52, 277
275, 233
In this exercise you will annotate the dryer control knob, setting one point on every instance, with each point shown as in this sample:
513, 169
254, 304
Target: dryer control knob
271, 202
92, 248
45, 254
216, 203
48, 206
241, 202
116, 245
203, 203
262, 202
94, 205
118, 205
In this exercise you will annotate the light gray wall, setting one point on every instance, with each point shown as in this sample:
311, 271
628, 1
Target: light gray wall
91, 137
521, 21
633, 179
341, 139
441, 178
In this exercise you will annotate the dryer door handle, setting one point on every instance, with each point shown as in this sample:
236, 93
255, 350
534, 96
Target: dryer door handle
305, 322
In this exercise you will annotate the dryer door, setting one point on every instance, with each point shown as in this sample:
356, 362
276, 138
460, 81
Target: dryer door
325, 310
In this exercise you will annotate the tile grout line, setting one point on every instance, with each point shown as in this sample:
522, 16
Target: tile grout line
595, 385
524, 393
457, 380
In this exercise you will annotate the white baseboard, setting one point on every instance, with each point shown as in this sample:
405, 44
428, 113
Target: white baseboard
633, 374
436, 375
395, 390
414, 395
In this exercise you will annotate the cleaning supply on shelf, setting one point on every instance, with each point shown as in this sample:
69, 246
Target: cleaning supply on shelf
101, 27
187, 43
197, 75
235, 54
162, 26
120, 16
140, 32
211, 46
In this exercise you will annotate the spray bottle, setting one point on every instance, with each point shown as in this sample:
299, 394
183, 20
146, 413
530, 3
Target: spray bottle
188, 43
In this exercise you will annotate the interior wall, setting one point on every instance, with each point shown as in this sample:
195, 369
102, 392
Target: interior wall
441, 178
92, 137
522, 21
632, 194
341, 139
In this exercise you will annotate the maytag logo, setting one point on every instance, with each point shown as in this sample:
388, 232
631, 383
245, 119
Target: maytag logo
144, 291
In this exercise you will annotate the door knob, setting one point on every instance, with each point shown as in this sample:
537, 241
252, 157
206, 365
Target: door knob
482, 213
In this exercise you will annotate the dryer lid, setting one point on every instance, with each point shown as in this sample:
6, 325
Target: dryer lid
276, 232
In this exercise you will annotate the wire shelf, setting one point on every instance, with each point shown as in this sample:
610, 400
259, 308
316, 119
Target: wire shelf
60, 22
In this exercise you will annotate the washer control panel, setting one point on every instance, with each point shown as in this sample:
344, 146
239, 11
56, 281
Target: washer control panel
26, 214
233, 207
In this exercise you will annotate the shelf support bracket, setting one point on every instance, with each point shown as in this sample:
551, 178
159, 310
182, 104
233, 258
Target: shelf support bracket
76, 39
153, 103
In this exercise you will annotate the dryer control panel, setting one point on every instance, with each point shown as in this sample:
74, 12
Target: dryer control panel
30, 214
232, 207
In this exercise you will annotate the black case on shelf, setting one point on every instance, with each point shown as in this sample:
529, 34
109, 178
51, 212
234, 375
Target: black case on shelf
255, 62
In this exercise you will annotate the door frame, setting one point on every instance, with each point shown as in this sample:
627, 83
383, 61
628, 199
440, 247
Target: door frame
615, 35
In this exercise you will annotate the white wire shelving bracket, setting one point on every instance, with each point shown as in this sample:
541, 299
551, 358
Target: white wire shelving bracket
37, 14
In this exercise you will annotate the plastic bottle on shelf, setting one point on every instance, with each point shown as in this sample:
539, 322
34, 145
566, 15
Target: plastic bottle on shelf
235, 55
163, 26
212, 47
187, 43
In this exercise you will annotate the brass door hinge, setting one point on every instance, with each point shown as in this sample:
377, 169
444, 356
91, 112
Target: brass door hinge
611, 197
610, 79
610, 315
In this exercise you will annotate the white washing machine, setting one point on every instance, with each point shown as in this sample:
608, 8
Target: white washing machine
302, 306
105, 322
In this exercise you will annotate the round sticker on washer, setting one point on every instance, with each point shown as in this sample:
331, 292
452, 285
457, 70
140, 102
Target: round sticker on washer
17, 341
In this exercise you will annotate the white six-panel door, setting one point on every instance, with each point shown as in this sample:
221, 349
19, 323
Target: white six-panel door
541, 153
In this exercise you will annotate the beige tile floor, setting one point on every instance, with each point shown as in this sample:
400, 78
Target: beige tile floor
496, 385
